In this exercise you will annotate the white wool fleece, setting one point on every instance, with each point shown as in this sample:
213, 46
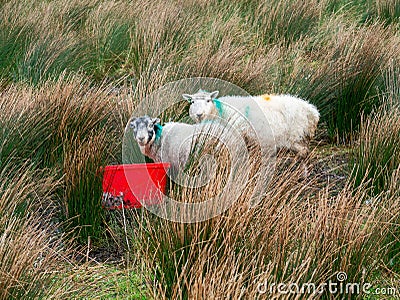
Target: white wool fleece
292, 121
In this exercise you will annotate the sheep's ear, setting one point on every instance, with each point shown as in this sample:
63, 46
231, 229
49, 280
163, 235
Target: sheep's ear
214, 94
187, 97
155, 121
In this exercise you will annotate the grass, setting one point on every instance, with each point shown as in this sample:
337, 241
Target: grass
376, 161
72, 73
300, 237
27, 249
376, 157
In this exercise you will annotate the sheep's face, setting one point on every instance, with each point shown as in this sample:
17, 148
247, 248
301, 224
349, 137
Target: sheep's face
202, 105
144, 130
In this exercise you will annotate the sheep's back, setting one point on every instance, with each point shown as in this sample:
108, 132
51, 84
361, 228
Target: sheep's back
175, 143
285, 118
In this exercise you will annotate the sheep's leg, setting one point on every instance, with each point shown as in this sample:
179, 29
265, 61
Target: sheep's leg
302, 151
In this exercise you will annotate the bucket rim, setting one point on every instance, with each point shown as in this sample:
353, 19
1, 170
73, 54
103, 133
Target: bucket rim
162, 165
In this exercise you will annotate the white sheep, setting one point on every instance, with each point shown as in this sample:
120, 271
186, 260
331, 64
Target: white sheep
174, 142
292, 121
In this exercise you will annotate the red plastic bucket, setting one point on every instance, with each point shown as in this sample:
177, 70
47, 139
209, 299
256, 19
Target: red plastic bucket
133, 184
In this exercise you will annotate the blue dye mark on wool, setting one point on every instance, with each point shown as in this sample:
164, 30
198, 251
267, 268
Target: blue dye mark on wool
158, 130
247, 111
218, 106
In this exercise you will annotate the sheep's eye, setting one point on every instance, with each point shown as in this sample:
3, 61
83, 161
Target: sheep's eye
191, 101
209, 100
151, 126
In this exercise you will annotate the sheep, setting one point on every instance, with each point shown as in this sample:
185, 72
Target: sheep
173, 142
292, 121
159, 143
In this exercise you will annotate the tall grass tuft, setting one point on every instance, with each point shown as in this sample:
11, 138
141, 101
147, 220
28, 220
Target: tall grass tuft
29, 239
12, 49
285, 21
376, 165
83, 184
109, 33
70, 127
347, 81
298, 234
376, 157
387, 11
85, 137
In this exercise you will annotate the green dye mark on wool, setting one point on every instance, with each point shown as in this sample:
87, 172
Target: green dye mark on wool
158, 130
247, 111
218, 106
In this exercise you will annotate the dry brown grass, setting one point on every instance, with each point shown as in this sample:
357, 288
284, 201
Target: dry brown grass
73, 72
28, 242
299, 233
376, 156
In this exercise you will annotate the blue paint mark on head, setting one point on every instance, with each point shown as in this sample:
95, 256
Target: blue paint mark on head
158, 130
218, 106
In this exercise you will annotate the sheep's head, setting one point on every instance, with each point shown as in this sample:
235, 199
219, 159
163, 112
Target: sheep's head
202, 105
144, 129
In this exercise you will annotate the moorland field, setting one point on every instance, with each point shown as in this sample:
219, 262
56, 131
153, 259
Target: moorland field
72, 73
